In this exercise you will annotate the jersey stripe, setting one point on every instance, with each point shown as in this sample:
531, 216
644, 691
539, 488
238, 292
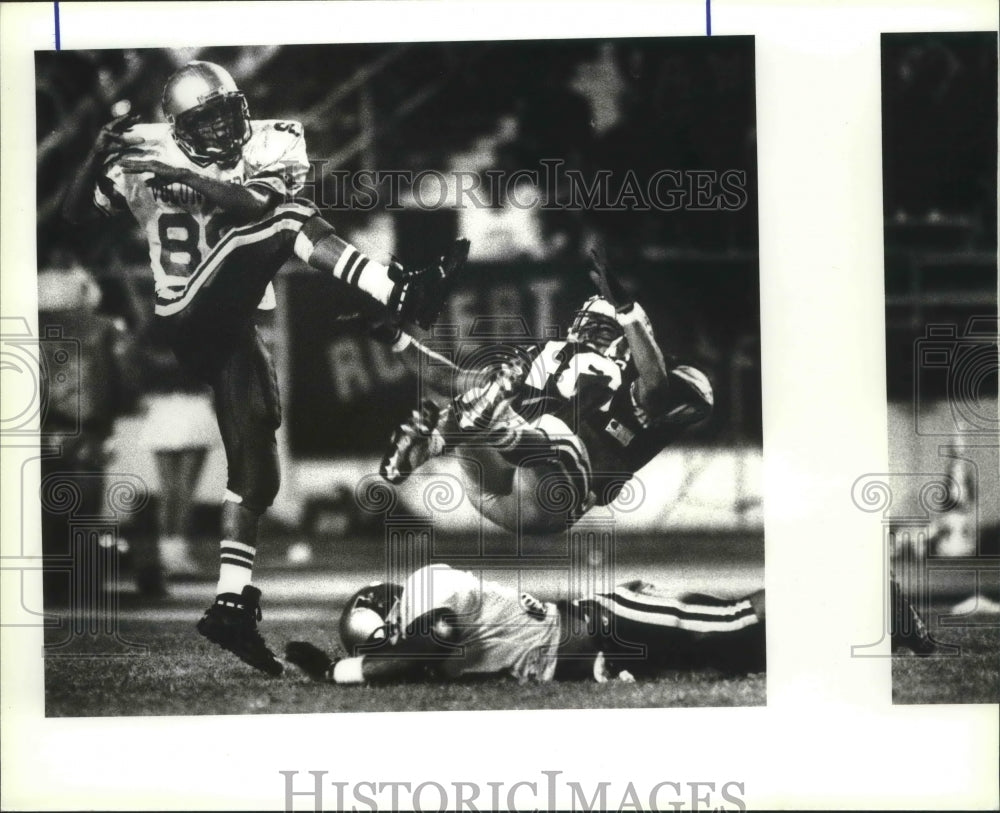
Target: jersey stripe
285, 220
678, 615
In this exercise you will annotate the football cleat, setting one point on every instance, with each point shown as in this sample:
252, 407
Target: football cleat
231, 622
420, 294
907, 627
413, 444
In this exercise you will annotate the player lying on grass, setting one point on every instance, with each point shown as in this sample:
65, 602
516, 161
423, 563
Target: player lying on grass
446, 624
548, 436
214, 193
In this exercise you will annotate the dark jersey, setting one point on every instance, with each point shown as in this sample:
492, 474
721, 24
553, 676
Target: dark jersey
597, 398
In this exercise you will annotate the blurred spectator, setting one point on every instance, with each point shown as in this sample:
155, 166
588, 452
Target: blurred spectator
179, 429
86, 360
953, 533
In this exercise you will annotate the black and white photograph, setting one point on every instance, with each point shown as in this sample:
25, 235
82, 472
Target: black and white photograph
488, 405
942, 504
401, 365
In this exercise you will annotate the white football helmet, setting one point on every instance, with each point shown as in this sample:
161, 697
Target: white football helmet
596, 325
208, 112
364, 618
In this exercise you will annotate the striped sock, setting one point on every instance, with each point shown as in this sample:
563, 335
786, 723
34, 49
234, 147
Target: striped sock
348, 265
236, 567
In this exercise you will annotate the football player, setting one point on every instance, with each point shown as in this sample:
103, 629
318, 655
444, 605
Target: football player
214, 193
549, 436
447, 624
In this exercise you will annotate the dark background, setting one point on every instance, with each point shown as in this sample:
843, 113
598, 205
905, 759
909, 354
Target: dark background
939, 164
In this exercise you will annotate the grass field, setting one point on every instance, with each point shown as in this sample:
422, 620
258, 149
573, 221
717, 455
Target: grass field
965, 670
182, 676
966, 666
151, 661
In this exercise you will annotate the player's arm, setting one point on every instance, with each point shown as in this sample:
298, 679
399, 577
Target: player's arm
78, 203
427, 652
244, 203
423, 653
653, 386
652, 392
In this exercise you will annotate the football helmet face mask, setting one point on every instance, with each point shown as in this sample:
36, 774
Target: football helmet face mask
596, 326
208, 113
364, 618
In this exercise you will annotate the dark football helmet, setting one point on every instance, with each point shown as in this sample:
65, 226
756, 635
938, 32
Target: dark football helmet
364, 619
208, 112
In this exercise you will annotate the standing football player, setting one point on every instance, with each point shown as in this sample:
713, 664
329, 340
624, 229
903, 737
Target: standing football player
213, 191
447, 624
549, 436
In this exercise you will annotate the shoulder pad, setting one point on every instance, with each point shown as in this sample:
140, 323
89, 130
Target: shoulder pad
277, 129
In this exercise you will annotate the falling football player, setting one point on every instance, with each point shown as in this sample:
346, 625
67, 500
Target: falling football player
550, 435
214, 193
446, 624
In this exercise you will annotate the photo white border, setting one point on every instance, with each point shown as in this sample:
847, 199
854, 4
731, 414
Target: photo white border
829, 736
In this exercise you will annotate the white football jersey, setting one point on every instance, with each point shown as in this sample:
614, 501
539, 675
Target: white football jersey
181, 227
500, 629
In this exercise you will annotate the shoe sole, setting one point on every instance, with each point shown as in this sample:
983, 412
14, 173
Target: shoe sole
272, 668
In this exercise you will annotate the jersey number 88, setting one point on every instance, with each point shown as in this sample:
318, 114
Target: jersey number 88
180, 234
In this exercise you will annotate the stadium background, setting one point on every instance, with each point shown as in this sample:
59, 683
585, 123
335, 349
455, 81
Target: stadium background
635, 105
